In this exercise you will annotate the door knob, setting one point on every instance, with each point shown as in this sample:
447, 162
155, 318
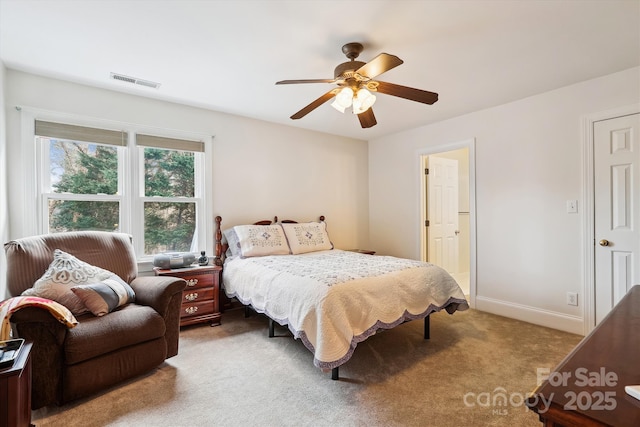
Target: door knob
604, 242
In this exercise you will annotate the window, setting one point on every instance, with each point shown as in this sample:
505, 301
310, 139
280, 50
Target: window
145, 185
169, 193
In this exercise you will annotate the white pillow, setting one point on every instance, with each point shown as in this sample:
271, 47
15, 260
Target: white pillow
260, 240
65, 272
307, 237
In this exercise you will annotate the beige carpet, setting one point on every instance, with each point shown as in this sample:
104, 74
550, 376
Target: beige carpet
234, 375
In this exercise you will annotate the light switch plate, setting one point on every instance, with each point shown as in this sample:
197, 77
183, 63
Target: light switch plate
572, 206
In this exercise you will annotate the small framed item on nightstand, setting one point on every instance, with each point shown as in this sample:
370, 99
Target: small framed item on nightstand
201, 297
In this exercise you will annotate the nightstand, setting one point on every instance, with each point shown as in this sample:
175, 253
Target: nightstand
201, 297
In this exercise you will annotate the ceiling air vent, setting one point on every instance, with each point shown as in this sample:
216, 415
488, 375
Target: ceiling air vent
135, 81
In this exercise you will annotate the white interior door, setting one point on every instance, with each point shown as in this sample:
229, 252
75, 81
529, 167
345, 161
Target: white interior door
442, 213
617, 210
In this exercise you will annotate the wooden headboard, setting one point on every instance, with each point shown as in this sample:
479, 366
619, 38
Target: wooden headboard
221, 248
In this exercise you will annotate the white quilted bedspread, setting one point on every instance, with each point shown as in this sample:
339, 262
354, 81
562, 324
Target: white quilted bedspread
334, 299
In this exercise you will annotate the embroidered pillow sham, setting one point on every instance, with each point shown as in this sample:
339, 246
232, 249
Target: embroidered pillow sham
307, 237
261, 240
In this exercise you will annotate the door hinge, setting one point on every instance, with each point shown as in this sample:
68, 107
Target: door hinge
426, 171
426, 223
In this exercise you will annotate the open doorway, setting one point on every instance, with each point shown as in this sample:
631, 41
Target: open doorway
448, 214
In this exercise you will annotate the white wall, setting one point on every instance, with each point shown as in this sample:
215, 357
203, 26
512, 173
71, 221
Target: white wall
259, 169
528, 163
4, 219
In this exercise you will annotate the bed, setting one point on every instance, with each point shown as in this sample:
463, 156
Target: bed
330, 299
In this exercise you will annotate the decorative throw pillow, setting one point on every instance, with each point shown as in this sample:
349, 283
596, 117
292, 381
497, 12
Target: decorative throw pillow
105, 296
307, 237
260, 240
65, 272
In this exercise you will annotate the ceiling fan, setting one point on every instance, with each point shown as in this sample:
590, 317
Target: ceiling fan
355, 84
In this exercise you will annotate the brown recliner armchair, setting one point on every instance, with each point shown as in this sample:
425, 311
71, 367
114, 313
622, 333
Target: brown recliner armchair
100, 351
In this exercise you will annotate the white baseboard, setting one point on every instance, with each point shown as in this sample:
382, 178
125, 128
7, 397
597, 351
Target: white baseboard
537, 316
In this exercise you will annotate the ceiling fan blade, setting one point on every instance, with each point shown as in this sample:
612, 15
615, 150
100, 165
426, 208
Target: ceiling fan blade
315, 104
378, 65
405, 92
293, 82
367, 119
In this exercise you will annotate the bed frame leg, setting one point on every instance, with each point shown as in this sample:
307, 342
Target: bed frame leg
271, 329
335, 375
427, 333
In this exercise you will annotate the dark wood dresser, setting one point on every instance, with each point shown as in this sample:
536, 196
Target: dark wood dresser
587, 387
201, 297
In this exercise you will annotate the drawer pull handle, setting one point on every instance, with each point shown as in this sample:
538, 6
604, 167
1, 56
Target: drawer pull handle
191, 297
192, 282
191, 310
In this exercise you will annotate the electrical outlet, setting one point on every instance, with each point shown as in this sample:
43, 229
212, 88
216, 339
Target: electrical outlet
572, 298
572, 206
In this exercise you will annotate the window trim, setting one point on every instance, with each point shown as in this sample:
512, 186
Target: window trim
32, 182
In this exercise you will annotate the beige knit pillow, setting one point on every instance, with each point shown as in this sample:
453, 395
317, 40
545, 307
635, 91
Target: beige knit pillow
65, 272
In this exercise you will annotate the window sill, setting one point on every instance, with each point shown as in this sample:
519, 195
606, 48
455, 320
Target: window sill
145, 267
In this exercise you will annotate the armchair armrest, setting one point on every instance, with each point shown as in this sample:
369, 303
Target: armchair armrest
35, 315
164, 295
157, 291
47, 334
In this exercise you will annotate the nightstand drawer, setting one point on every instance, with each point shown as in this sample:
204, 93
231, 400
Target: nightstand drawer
196, 309
195, 281
196, 295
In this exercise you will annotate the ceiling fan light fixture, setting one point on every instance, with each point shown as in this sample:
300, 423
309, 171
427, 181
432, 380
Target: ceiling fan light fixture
363, 101
335, 104
345, 97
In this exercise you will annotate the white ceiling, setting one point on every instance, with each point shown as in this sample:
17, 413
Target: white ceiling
227, 55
